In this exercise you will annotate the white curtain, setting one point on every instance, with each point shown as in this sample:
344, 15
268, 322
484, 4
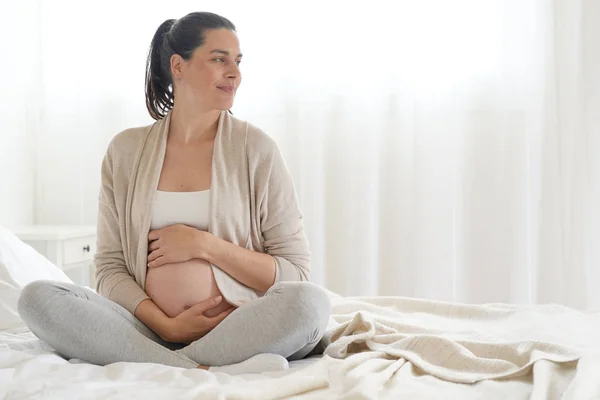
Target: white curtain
440, 149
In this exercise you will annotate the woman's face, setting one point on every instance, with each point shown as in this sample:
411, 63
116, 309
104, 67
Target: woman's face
212, 76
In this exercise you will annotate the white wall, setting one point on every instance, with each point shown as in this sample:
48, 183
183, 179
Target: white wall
89, 96
19, 110
16, 175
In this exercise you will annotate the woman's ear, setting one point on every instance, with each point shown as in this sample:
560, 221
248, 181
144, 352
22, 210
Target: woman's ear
177, 67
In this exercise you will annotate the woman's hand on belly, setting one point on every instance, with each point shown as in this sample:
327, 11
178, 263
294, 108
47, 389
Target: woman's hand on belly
221, 307
193, 324
175, 243
176, 287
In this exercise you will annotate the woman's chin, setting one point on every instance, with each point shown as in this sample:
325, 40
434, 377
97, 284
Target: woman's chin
224, 104
225, 107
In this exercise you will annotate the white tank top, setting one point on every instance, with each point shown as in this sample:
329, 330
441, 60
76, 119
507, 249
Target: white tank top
189, 208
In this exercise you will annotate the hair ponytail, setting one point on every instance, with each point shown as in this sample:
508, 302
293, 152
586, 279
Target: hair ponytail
159, 83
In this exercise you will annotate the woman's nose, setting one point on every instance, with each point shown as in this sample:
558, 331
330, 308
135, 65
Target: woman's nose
233, 72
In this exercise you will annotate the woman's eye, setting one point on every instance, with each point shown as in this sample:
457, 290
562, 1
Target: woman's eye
219, 59
238, 63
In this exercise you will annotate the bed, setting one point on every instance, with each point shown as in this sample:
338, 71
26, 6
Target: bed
376, 348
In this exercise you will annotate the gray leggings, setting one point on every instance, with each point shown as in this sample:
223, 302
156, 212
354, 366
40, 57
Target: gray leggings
289, 320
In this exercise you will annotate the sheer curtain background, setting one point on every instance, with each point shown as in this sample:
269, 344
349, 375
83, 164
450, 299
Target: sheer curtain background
440, 149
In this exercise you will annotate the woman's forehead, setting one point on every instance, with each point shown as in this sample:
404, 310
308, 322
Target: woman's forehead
222, 41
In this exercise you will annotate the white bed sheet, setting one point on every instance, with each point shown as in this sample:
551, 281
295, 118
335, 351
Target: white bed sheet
30, 369
381, 348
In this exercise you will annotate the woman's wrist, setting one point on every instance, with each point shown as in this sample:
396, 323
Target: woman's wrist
204, 243
155, 319
168, 330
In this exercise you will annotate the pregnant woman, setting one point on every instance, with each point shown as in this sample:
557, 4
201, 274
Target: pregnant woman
202, 260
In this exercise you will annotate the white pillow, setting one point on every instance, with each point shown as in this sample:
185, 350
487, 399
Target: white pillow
19, 265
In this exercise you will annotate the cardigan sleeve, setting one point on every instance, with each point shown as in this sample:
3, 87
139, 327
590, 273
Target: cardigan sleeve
281, 219
113, 278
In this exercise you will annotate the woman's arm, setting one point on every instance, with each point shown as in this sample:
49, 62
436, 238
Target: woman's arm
114, 280
154, 318
287, 254
253, 269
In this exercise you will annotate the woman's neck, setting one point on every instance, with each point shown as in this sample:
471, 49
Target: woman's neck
188, 124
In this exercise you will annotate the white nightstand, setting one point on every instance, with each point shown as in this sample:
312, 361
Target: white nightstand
70, 248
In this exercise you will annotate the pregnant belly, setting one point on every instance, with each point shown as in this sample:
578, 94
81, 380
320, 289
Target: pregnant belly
176, 287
